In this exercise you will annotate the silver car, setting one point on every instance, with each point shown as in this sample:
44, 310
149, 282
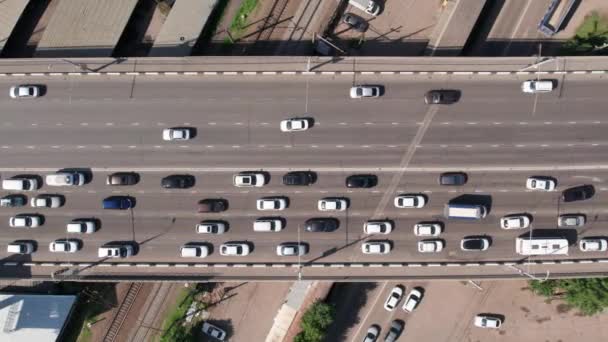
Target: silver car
292, 249
361, 91
571, 220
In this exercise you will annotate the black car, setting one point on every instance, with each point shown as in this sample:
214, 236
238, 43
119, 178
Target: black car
177, 182
578, 193
442, 96
122, 178
355, 22
394, 330
453, 178
325, 224
299, 178
361, 181
212, 205
474, 243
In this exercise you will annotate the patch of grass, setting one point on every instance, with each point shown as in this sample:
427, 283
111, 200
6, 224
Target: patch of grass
239, 22
591, 37
86, 310
173, 327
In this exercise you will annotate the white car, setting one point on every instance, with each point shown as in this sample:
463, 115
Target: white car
540, 183
332, 204
24, 91
485, 321
377, 227
376, 247
213, 331
427, 229
194, 251
86, 226
515, 222
271, 203
211, 227
294, 125
430, 246
25, 221
410, 201
64, 246
361, 91
234, 249
65, 179
571, 220
593, 244
249, 179
412, 300
46, 201
372, 333
176, 134
115, 251
393, 298
291, 249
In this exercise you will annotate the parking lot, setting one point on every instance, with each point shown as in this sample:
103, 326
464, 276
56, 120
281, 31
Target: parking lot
401, 28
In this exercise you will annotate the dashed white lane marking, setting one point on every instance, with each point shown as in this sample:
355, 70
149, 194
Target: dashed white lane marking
84, 124
212, 123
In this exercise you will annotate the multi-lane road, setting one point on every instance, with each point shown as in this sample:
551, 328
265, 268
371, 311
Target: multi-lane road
496, 134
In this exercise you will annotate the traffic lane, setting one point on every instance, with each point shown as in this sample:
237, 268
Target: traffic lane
72, 87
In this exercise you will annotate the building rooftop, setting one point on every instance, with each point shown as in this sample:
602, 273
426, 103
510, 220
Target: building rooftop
10, 12
85, 28
26, 317
182, 28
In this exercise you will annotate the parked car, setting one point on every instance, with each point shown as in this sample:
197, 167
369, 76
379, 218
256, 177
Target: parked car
571, 220
295, 125
24, 91
393, 298
412, 300
332, 204
177, 134
271, 203
234, 249
593, 244
427, 229
452, 178
487, 321
122, 178
211, 227
64, 246
442, 96
177, 182
540, 183
213, 331
355, 22
47, 201
362, 91
372, 334
410, 201
516, 221
361, 181
474, 243
378, 227
299, 178
292, 249
11, 201
212, 205
578, 193
430, 246
376, 247
394, 331
249, 179
26, 221
325, 224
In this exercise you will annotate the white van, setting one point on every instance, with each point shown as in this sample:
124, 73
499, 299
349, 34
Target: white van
537, 86
65, 179
368, 6
268, 225
20, 184
465, 211
20, 247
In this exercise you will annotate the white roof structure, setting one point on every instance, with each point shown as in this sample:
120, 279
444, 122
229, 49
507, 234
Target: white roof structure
182, 28
28, 317
10, 12
85, 28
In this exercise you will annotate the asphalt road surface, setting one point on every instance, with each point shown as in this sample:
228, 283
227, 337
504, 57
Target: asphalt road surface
497, 134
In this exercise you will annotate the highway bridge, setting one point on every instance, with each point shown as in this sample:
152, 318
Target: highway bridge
104, 116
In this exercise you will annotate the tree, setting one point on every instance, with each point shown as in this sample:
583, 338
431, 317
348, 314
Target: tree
544, 288
315, 322
589, 295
